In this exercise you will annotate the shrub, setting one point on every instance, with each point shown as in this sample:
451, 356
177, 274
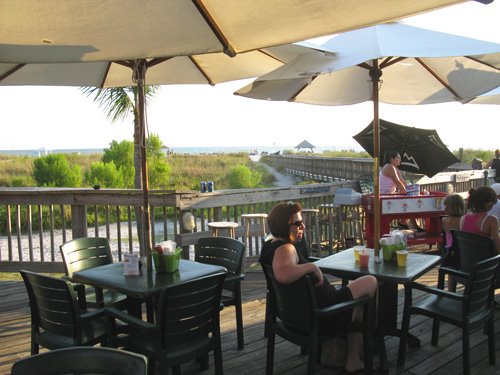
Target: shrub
106, 175
55, 171
241, 177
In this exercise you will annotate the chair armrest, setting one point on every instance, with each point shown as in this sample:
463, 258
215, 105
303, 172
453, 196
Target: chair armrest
344, 306
437, 291
115, 314
232, 278
454, 272
80, 292
92, 314
313, 259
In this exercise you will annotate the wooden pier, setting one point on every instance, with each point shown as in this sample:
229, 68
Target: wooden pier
446, 358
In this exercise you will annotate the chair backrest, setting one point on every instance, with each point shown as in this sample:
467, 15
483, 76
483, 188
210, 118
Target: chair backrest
83, 361
191, 310
479, 287
54, 305
471, 248
86, 252
222, 251
294, 304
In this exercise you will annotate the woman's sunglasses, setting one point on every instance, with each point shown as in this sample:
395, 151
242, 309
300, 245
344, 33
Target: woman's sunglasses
298, 223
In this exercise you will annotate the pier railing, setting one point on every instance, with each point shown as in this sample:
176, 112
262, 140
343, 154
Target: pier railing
34, 222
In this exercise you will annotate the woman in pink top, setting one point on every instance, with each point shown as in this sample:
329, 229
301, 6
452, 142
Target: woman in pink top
391, 181
478, 220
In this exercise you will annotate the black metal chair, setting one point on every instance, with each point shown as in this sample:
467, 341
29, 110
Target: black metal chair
295, 317
58, 317
187, 326
470, 310
83, 361
229, 253
88, 252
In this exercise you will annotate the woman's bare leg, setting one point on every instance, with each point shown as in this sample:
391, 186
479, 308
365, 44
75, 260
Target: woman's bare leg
364, 286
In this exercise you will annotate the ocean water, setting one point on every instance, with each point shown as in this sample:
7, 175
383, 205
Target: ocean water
177, 150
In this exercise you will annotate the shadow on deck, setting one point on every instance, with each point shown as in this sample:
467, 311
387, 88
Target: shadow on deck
445, 358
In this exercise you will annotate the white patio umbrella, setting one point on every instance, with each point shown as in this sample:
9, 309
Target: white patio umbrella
393, 63
96, 30
490, 97
142, 34
209, 68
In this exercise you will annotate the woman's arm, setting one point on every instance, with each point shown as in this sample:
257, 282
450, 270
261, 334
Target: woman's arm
392, 172
491, 223
286, 267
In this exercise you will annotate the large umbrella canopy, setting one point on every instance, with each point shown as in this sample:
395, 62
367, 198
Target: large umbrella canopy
209, 68
490, 97
421, 150
393, 63
96, 30
143, 34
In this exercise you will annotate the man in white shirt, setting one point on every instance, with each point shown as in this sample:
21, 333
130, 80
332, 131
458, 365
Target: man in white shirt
495, 210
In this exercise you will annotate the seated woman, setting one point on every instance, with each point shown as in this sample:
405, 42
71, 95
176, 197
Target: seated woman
478, 221
287, 227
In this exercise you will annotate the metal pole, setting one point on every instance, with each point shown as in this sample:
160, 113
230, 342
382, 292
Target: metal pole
375, 74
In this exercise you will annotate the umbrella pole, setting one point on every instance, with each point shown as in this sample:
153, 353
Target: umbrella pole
140, 67
375, 74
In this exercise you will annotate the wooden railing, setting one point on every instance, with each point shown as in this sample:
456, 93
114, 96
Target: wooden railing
36, 221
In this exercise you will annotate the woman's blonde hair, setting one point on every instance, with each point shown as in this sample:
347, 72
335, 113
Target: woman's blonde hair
454, 205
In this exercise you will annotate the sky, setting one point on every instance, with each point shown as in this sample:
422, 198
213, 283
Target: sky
35, 117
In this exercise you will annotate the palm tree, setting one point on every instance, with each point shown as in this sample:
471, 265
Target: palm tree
118, 104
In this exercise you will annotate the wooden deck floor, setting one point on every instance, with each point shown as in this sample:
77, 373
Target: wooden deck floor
443, 359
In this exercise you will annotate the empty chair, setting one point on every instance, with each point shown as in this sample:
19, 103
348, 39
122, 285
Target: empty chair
88, 252
82, 361
58, 317
469, 311
295, 316
229, 253
187, 326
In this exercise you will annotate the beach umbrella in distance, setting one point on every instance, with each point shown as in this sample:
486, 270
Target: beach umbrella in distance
393, 63
143, 34
421, 150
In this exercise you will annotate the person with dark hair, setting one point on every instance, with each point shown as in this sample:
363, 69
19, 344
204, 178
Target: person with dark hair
288, 264
478, 221
495, 164
391, 182
390, 178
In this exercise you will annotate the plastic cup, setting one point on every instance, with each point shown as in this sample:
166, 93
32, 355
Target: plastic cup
402, 255
364, 257
357, 250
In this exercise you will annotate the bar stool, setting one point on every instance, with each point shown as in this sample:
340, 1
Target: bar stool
249, 221
217, 226
331, 219
352, 219
253, 225
312, 230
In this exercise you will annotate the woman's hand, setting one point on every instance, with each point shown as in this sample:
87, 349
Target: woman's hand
317, 275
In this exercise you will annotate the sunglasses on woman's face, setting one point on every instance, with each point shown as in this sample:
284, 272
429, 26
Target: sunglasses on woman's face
298, 223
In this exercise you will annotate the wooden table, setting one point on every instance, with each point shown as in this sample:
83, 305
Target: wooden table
147, 285
389, 275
